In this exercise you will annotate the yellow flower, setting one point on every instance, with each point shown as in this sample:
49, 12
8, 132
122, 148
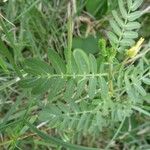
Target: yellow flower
132, 52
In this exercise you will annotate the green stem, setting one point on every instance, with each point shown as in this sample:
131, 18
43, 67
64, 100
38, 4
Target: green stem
72, 75
70, 35
111, 77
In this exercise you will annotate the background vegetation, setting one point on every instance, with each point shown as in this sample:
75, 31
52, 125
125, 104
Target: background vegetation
41, 29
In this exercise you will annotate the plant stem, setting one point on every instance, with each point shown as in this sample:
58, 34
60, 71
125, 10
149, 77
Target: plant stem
70, 35
111, 78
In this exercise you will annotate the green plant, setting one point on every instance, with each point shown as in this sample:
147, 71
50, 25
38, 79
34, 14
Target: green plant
86, 93
92, 95
125, 27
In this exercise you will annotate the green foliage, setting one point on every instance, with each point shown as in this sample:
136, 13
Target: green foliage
86, 92
96, 8
87, 97
124, 26
3, 65
76, 91
5, 52
106, 52
56, 61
